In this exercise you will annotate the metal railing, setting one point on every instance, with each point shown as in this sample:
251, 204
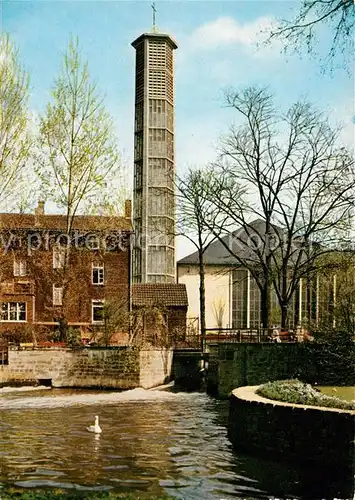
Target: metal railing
189, 342
233, 335
247, 335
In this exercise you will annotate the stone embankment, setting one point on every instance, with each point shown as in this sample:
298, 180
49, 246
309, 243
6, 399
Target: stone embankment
321, 440
234, 365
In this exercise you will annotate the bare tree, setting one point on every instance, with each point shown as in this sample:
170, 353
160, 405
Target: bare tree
297, 182
196, 219
14, 138
78, 148
302, 30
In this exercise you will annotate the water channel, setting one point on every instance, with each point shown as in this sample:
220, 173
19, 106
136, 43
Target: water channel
152, 441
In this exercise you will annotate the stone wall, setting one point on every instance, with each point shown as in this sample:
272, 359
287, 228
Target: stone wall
11, 377
240, 364
117, 368
321, 439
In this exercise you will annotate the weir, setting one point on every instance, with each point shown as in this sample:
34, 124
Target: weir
110, 368
120, 368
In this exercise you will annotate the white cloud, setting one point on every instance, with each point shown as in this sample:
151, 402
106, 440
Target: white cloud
226, 31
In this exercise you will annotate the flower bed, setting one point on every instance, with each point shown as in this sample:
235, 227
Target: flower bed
294, 391
52, 344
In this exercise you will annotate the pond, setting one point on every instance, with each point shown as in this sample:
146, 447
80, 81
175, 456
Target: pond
152, 441
347, 393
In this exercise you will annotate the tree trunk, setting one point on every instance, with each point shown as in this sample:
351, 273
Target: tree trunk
63, 328
284, 315
202, 300
265, 305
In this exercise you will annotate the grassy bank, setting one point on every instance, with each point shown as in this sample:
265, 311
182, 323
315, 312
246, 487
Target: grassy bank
294, 391
67, 495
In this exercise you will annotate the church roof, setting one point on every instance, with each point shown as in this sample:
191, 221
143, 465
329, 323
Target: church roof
159, 294
240, 241
156, 35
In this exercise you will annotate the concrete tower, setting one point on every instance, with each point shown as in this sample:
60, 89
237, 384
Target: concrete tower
154, 167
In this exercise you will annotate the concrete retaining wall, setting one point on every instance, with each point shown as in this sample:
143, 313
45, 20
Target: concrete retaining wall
155, 367
321, 439
118, 368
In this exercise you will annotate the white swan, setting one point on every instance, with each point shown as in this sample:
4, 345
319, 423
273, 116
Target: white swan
95, 428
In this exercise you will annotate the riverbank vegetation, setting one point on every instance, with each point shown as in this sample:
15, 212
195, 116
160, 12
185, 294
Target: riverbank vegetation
294, 391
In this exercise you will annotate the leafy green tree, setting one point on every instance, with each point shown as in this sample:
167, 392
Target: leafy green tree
15, 144
78, 146
78, 151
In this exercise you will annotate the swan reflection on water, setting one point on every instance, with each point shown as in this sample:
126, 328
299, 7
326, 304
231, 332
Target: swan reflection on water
96, 442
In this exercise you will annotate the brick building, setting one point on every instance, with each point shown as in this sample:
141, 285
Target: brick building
32, 258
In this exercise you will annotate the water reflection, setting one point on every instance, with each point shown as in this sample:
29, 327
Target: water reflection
151, 441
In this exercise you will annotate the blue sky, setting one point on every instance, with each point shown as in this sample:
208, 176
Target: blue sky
216, 51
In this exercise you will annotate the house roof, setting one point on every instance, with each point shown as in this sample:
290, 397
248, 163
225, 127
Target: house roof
162, 294
240, 242
58, 222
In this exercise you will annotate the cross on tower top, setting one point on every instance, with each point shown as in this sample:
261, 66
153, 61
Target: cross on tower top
154, 15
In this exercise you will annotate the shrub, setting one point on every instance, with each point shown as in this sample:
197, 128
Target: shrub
294, 391
332, 357
73, 337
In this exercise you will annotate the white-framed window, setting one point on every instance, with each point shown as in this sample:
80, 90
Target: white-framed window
13, 311
57, 295
92, 242
58, 257
20, 268
97, 311
98, 274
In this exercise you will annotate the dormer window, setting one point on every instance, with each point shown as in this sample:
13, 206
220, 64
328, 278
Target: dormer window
20, 268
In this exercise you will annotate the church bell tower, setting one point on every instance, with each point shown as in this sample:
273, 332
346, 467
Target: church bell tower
154, 162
